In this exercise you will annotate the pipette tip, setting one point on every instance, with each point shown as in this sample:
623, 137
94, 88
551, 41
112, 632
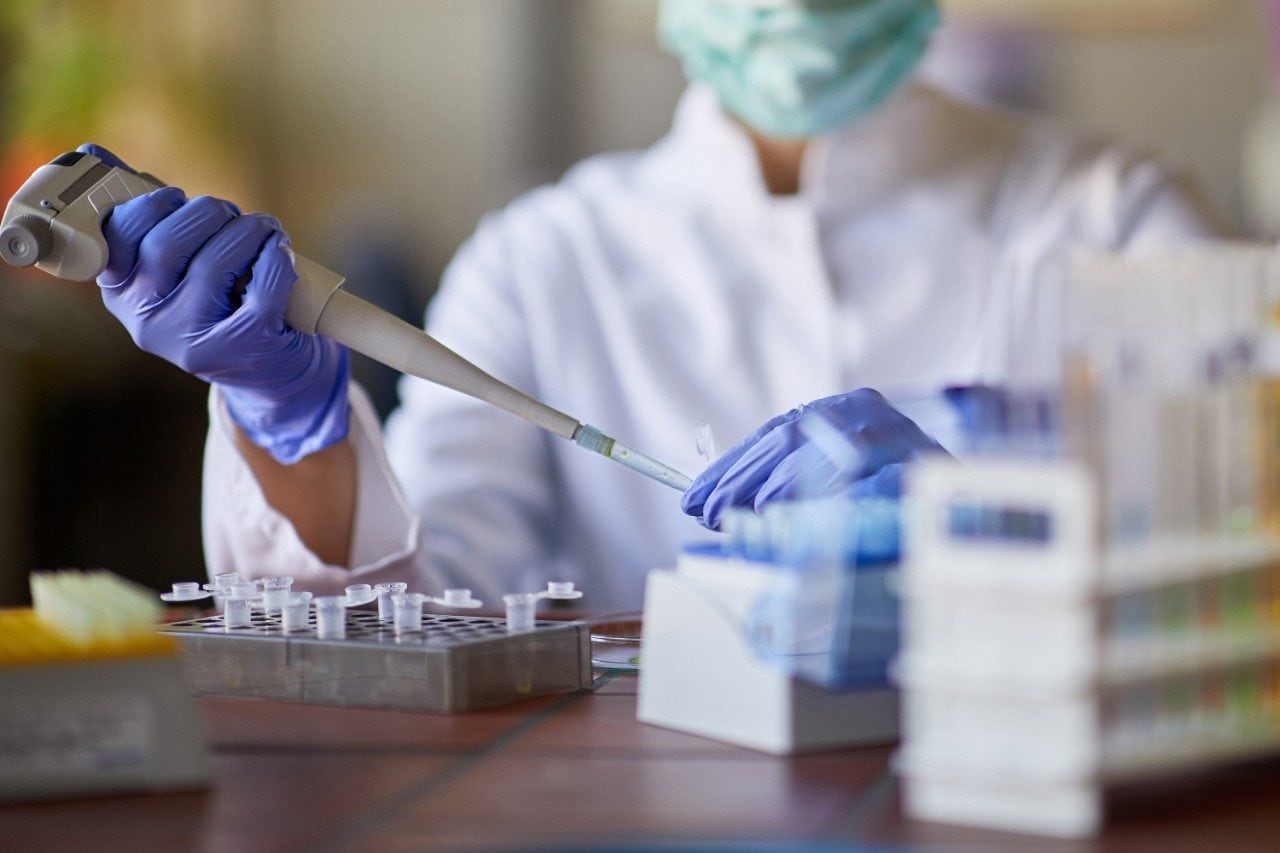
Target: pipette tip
594, 440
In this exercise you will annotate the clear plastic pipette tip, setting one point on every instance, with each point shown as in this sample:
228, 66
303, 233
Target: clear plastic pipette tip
593, 439
705, 443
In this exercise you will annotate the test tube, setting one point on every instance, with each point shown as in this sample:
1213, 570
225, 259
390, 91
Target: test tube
297, 606
274, 593
407, 607
238, 605
522, 610
386, 610
331, 617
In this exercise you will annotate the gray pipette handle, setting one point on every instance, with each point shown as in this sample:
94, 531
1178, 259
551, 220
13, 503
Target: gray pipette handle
319, 305
55, 222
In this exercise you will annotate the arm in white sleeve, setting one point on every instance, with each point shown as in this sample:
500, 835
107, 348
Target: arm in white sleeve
475, 480
244, 533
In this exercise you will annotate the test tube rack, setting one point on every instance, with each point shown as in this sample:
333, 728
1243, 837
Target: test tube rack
452, 664
1041, 668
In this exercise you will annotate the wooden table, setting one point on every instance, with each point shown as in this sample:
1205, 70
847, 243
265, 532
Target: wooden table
568, 771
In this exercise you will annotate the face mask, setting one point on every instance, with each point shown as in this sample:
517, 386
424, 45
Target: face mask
795, 69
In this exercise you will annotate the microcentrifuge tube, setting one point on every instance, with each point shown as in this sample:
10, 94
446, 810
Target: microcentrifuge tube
408, 611
705, 442
331, 617
457, 598
223, 581
521, 611
274, 593
386, 610
238, 605
294, 616
522, 607
562, 590
185, 591
359, 593
221, 585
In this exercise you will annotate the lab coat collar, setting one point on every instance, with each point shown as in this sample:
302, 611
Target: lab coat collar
710, 155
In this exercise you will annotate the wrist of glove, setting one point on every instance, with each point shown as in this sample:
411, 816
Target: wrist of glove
301, 417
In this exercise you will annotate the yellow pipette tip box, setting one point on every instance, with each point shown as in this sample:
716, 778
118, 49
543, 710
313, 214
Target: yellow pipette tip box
92, 699
26, 640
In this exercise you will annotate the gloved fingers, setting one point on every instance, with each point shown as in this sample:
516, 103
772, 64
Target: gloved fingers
804, 473
95, 150
224, 260
696, 495
885, 483
167, 249
128, 224
880, 433
738, 486
272, 280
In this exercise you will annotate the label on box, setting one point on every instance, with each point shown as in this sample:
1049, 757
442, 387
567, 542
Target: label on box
90, 734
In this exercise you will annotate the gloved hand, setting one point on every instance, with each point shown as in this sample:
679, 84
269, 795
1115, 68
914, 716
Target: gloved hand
779, 462
174, 280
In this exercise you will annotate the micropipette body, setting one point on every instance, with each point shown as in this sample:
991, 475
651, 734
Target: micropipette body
55, 222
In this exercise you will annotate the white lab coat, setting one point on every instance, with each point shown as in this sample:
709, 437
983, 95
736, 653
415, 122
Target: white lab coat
649, 292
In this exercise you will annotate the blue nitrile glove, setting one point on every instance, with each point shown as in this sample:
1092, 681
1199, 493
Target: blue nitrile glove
779, 462
173, 279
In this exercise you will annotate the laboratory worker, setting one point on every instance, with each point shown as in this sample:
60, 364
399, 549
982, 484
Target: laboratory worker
816, 224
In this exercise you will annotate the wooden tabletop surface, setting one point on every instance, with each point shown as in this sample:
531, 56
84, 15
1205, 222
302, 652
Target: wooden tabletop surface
574, 771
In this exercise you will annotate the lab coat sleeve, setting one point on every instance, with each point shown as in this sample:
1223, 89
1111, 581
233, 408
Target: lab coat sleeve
244, 533
480, 479
462, 494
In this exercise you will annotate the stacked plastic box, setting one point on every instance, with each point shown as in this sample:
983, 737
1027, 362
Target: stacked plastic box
1039, 672
1094, 596
92, 700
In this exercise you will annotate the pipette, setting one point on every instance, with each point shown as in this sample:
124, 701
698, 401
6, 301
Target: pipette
55, 222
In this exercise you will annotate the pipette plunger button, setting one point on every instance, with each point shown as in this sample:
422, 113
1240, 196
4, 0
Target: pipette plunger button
25, 240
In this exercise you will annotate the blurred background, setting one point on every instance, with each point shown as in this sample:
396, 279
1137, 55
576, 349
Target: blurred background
380, 131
